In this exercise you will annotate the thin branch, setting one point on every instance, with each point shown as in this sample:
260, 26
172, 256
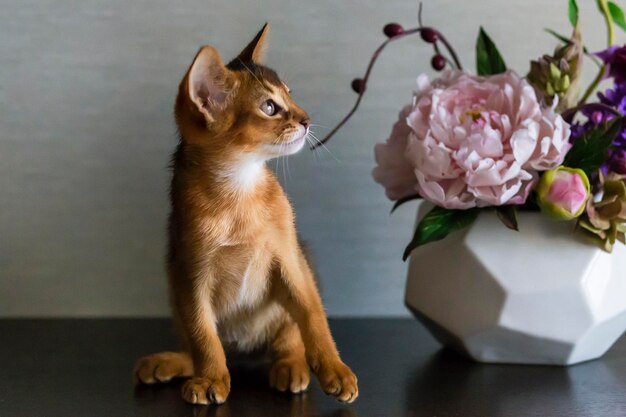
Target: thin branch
568, 115
419, 15
366, 77
604, 9
451, 50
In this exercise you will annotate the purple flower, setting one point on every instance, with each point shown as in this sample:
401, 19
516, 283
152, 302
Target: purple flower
614, 98
618, 162
615, 60
594, 117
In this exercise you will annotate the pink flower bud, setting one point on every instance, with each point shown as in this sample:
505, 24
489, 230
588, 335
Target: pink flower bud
563, 192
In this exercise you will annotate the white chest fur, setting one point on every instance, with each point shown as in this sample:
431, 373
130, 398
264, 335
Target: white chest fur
250, 278
246, 172
253, 287
252, 315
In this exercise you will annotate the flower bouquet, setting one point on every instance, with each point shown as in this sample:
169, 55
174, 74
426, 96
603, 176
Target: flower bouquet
535, 153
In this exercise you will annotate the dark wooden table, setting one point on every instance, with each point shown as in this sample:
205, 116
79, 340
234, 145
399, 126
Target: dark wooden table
82, 368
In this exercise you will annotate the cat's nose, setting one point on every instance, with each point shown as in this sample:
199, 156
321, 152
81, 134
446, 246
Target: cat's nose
305, 121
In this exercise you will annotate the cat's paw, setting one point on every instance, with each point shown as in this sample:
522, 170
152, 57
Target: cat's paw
204, 390
162, 367
338, 380
290, 374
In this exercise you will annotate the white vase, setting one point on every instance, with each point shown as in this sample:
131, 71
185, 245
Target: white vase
543, 295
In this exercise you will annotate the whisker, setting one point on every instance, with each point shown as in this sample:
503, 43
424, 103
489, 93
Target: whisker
284, 169
323, 146
310, 142
278, 168
322, 126
288, 172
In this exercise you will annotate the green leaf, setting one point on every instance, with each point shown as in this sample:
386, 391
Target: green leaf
618, 15
488, 59
437, 224
573, 12
560, 37
508, 216
404, 200
591, 150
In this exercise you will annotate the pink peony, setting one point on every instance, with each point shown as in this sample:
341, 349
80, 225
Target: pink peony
473, 142
393, 170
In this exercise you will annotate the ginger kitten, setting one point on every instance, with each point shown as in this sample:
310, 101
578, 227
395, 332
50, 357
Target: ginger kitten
238, 277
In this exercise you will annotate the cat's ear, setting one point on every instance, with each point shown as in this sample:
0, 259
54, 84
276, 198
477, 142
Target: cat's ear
254, 51
210, 83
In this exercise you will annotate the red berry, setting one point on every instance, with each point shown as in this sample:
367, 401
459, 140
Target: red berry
358, 85
393, 30
429, 35
438, 62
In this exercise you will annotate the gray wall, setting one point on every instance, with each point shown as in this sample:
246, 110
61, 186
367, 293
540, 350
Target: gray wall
86, 93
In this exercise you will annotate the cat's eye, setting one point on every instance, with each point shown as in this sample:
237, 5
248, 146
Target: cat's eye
269, 107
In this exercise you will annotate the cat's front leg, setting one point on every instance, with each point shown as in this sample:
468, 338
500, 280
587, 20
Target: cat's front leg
290, 370
294, 287
210, 383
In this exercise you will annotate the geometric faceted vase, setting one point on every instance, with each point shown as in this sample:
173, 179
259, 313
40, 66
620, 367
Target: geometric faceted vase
543, 295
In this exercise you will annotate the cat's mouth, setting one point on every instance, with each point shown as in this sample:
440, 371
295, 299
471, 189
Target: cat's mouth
292, 145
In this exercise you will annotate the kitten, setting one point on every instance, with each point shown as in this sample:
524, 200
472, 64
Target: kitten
238, 276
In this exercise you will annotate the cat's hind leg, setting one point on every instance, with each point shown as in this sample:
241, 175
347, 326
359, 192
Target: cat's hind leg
163, 367
289, 370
